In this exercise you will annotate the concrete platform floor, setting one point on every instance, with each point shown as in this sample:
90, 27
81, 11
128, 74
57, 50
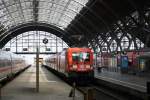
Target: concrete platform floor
131, 81
51, 87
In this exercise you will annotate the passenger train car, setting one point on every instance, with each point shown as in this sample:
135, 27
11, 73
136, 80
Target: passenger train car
10, 64
74, 63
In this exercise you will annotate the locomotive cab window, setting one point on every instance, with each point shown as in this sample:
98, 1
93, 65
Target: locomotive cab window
81, 57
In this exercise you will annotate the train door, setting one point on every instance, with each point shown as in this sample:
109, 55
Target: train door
141, 64
147, 65
66, 62
62, 61
124, 63
59, 57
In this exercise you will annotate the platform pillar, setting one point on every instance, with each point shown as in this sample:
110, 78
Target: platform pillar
37, 70
0, 91
74, 86
89, 95
148, 90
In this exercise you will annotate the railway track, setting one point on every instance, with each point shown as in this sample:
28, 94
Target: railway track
97, 91
90, 91
93, 92
100, 92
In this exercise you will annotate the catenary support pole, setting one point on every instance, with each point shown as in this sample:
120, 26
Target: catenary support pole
37, 66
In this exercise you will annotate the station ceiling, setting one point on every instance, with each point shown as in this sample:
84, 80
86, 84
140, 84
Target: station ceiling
75, 21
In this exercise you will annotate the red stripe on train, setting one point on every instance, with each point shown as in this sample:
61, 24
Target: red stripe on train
6, 69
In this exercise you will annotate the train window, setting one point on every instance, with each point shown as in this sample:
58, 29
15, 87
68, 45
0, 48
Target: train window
81, 57
2, 63
63, 53
75, 56
85, 56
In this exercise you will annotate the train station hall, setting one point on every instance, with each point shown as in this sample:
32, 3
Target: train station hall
74, 49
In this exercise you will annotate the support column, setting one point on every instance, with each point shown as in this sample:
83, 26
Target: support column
37, 64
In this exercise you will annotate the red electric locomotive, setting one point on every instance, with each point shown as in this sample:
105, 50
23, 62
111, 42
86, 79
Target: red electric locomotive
74, 63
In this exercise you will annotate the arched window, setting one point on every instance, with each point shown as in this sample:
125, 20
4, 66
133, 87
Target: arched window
139, 43
113, 45
124, 43
28, 41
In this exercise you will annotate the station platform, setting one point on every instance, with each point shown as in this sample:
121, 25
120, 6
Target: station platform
51, 87
130, 81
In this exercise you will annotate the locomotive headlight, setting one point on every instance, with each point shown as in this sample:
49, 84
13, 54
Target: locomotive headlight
74, 66
87, 66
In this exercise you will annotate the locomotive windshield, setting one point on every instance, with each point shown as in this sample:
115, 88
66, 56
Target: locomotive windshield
81, 57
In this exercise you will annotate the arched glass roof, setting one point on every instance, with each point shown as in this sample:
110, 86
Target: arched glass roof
55, 12
27, 42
